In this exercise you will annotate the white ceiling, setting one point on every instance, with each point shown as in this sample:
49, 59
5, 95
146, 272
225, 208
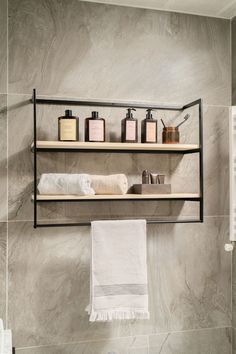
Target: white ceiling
213, 8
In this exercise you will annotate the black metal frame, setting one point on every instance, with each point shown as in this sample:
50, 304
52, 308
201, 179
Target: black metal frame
59, 101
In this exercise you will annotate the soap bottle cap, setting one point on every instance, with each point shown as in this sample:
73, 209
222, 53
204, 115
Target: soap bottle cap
68, 113
94, 115
129, 114
149, 113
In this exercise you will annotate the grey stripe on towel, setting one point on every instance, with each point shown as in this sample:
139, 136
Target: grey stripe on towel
120, 289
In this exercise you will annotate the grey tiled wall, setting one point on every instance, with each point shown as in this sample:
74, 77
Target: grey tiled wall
73, 48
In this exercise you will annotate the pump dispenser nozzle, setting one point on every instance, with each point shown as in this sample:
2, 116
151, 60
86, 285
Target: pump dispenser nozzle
149, 113
68, 113
129, 114
94, 115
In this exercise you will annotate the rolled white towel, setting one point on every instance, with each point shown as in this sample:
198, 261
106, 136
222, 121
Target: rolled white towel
63, 183
111, 184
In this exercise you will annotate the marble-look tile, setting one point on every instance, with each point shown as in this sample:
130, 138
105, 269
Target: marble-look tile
55, 288
233, 300
3, 269
234, 290
185, 171
3, 46
189, 277
217, 341
83, 49
3, 157
54, 291
20, 158
138, 345
139, 351
233, 341
20, 166
216, 160
128, 345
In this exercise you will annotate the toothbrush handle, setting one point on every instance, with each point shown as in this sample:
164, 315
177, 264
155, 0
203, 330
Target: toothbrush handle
163, 123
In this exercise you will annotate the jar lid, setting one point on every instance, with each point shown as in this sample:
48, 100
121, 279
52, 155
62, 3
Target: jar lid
171, 129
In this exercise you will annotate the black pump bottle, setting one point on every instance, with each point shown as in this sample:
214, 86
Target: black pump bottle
129, 128
149, 128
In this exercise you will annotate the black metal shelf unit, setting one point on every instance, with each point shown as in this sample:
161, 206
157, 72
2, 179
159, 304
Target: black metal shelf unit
69, 102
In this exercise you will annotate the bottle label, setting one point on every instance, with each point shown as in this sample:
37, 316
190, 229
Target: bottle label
150, 132
130, 130
96, 130
67, 129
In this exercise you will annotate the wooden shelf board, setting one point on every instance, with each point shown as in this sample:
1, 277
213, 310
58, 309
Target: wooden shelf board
171, 196
57, 145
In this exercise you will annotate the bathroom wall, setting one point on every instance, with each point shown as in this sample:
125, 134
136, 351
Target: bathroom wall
77, 49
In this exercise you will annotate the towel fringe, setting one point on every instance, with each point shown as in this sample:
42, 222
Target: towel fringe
104, 316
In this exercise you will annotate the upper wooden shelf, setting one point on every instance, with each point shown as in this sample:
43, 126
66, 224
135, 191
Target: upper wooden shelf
115, 147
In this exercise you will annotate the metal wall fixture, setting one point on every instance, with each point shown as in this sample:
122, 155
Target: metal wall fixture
61, 101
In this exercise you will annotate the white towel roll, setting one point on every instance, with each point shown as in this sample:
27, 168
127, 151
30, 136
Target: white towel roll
63, 183
111, 184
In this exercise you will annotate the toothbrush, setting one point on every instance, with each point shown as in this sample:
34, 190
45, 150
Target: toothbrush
185, 119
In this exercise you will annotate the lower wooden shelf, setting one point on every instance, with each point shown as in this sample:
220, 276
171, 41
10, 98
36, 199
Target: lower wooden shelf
114, 147
69, 198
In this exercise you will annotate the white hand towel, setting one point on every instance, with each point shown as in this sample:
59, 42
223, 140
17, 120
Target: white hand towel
5, 340
118, 288
111, 184
63, 183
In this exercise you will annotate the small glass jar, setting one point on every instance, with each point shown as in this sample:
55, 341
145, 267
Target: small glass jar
170, 135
